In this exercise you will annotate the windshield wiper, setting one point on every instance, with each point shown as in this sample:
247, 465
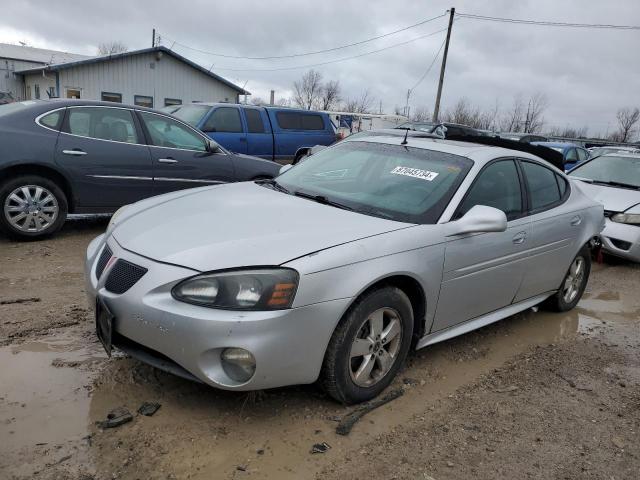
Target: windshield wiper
322, 199
272, 183
616, 184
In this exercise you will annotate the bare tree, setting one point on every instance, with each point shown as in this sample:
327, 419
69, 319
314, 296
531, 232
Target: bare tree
512, 119
111, 48
361, 104
308, 90
330, 95
533, 119
258, 101
627, 120
421, 114
567, 132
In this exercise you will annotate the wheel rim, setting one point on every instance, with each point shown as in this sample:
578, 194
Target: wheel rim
31, 208
375, 349
573, 281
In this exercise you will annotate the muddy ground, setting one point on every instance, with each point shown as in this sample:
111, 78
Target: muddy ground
538, 395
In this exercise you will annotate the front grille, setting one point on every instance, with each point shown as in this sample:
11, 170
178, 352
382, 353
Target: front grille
123, 276
102, 261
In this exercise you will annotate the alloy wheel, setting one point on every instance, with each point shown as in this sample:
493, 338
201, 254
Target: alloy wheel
573, 282
31, 208
376, 347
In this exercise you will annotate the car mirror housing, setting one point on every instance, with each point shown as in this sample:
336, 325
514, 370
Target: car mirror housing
212, 146
284, 168
480, 219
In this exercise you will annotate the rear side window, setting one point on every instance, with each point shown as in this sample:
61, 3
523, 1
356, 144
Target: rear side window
299, 121
544, 190
224, 119
52, 120
582, 155
497, 186
254, 120
572, 156
114, 124
562, 185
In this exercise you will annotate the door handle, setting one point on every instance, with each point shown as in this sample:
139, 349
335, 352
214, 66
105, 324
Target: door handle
519, 238
77, 152
167, 160
575, 221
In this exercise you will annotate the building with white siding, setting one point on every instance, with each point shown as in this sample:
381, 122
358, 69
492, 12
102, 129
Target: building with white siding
152, 77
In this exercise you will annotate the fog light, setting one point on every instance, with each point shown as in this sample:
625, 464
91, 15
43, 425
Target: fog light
238, 363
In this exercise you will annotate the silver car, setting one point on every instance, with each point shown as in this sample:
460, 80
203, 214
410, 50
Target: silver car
340, 266
614, 181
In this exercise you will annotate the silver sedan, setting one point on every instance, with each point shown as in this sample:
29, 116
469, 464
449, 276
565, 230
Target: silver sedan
340, 266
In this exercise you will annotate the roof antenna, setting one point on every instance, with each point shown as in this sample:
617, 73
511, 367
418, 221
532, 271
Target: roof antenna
404, 142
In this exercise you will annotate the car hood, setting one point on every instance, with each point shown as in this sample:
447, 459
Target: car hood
240, 224
614, 199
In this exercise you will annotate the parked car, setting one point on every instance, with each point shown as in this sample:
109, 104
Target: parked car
340, 265
69, 156
523, 137
598, 151
452, 129
614, 181
275, 133
6, 97
571, 153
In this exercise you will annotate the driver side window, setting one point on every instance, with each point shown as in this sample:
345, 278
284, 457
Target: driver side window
165, 132
498, 186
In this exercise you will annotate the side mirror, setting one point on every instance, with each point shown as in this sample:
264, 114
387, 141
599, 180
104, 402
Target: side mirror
285, 168
212, 146
479, 219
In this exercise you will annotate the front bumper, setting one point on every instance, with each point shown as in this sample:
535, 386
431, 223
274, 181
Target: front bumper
621, 240
288, 345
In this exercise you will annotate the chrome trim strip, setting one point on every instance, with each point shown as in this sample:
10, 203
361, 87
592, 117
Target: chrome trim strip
120, 177
167, 179
159, 179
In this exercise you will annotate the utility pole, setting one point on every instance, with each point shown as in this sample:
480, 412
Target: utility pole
153, 39
436, 109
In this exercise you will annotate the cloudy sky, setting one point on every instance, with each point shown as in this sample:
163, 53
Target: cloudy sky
586, 74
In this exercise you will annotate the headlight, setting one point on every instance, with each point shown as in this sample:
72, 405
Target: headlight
247, 289
115, 216
631, 218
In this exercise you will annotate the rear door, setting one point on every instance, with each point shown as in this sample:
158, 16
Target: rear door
259, 136
180, 157
554, 226
104, 153
225, 126
483, 272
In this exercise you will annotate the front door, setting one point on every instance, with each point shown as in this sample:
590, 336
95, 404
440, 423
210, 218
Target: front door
180, 157
104, 153
483, 272
224, 125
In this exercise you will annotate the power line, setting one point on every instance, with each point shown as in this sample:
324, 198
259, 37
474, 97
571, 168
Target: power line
548, 23
424, 75
316, 52
330, 61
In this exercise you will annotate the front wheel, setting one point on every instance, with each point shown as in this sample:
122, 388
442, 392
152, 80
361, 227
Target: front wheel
31, 207
573, 284
369, 346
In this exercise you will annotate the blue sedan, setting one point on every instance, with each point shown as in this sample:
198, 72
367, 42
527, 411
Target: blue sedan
572, 153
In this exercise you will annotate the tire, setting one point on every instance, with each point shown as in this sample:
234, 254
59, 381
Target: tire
45, 212
344, 377
572, 287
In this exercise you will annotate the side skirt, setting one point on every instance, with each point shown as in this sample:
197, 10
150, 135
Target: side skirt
480, 322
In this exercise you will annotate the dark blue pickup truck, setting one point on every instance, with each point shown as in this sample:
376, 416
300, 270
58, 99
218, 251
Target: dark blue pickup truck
275, 133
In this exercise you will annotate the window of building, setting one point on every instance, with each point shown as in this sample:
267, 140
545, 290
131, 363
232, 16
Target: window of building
254, 120
299, 121
165, 132
172, 101
114, 124
143, 101
51, 92
224, 119
72, 92
111, 97
543, 186
36, 90
497, 186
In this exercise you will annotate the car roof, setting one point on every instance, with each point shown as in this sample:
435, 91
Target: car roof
475, 151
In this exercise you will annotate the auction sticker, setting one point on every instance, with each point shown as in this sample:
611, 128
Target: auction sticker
415, 173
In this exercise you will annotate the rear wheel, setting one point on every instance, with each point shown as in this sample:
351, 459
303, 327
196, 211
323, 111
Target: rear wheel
369, 346
574, 283
31, 207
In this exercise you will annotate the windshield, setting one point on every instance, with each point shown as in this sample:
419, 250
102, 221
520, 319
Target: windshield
191, 114
557, 149
622, 170
400, 183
